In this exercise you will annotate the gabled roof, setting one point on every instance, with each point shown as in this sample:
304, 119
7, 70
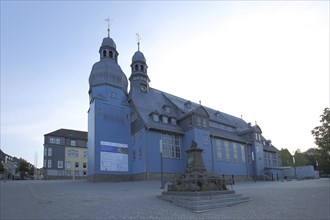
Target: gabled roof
67, 133
153, 102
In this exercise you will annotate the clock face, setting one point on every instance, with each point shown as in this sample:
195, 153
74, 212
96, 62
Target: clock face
143, 88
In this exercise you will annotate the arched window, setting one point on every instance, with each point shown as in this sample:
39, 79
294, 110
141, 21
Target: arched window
110, 54
142, 69
104, 53
136, 67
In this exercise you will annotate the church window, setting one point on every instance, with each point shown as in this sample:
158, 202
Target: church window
249, 154
227, 150
243, 153
235, 152
104, 53
219, 149
136, 67
110, 54
170, 145
142, 69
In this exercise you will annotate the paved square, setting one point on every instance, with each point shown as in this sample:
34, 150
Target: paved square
307, 199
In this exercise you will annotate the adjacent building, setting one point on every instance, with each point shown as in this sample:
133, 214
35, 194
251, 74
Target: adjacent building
129, 130
65, 154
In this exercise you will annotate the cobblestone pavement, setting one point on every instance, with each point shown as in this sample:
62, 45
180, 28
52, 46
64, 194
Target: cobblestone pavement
307, 199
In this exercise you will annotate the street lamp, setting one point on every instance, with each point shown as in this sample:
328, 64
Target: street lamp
294, 165
254, 167
161, 164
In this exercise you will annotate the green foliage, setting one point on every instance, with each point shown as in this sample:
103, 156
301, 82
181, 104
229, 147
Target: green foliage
286, 157
23, 166
322, 133
31, 170
300, 159
322, 140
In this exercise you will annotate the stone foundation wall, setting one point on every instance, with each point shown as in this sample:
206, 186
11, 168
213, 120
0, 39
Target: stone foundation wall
168, 177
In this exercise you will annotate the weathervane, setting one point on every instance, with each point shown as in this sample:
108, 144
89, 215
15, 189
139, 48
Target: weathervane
108, 21
138, 38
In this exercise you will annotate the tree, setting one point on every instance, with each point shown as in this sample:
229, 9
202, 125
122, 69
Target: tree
322, 140
23, 167
300, 159
322, 133
286, 157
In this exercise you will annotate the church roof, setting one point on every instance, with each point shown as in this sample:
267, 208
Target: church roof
108, 71
108, 41
153, 102
138, 56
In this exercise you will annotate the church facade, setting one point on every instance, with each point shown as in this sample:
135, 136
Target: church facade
131, 132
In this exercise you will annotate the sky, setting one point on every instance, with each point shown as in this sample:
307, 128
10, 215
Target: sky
264, 61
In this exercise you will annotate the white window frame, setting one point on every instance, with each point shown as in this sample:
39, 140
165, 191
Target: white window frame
60, 164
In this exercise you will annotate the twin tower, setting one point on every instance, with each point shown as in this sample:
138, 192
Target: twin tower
109, 114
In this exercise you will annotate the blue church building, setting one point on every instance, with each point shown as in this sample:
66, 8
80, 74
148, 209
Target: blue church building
131, 131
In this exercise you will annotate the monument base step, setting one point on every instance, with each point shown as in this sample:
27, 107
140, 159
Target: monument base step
204, 201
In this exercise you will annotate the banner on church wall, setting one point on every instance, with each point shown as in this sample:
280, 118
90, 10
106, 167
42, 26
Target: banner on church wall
113, 156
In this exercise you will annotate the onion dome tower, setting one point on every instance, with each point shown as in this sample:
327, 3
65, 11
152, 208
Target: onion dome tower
108, 116
139, 79
107, 71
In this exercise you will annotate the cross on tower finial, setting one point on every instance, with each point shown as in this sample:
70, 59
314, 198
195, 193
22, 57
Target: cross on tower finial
138, 38
108, 21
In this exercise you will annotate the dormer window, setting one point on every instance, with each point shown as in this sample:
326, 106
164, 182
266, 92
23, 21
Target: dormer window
217, 114
173, 121
155, 117
165, 119
167, 109
187, 104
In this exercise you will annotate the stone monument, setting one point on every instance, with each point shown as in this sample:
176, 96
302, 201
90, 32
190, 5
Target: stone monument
199, 190
195, 177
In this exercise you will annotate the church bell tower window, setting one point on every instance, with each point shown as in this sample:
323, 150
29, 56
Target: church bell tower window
110, 54
136, 67
104, 53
